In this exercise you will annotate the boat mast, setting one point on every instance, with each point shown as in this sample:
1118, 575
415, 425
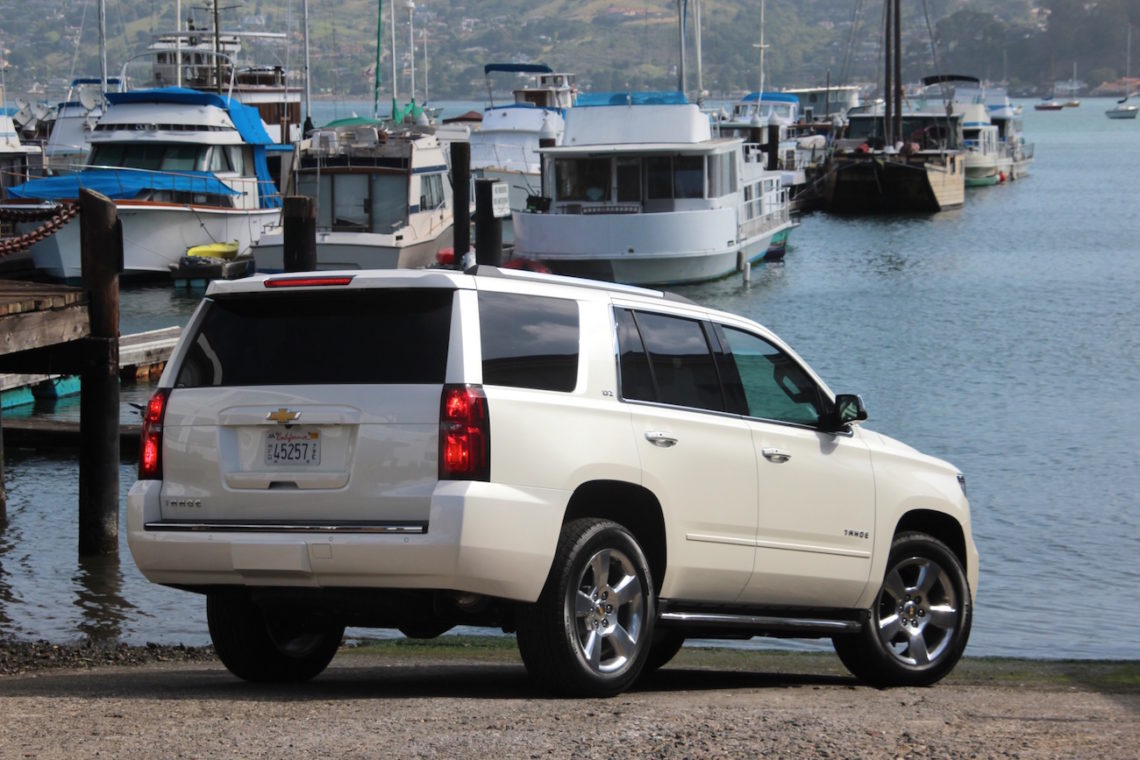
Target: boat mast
305, 32
898, 96
681, 31
376, 77
411, 6
392, 23
700, 74
888, 89
103, 43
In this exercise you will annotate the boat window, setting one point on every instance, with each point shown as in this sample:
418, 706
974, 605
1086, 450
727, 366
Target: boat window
181, 158
722, 175
659, 174
774, 386
106, 155
237, 160
629, 180
689, 176
218, 160
389, 202
582, 179
431, 191
350, 202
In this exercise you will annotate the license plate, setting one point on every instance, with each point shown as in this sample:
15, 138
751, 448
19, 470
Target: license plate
299, 446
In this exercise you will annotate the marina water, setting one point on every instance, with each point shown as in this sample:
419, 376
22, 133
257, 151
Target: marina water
1002, 336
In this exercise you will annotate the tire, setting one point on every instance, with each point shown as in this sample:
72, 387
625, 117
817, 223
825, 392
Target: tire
267, 650
664, 648
589, 633
917, 628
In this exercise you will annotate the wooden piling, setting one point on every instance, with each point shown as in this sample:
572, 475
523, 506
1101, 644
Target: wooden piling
101, 241
299, 240
488, 229
461, 197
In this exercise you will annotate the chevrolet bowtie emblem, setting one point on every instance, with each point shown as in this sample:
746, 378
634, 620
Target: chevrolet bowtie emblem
283, 416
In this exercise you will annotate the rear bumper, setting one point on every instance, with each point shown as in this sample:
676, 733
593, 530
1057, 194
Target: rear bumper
482, 538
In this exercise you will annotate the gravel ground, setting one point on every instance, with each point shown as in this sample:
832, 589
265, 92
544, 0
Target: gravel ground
475, 701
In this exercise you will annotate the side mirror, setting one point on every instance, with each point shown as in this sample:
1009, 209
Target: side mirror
848, 409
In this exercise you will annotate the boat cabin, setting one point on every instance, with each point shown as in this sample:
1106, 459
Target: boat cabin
929, 131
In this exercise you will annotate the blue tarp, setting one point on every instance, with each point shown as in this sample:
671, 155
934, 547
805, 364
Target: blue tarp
770, 97
119, 184
668, 97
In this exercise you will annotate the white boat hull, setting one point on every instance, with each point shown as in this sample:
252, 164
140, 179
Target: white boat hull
155, 236
644, 249
356, 250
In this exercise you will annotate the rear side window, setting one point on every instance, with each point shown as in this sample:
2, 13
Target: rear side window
529, 341
373, 336
668, 360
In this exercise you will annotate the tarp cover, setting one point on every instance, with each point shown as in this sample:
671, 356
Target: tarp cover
668, 97
118, 184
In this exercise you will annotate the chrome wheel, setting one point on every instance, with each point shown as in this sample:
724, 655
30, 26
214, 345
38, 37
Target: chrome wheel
917, 612
589, 632
608, 604
917, 628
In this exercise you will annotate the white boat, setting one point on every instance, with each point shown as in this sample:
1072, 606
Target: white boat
641, 192
18, 161
986, 159
826, 103
505, 147
383, 198
1123, 109
66, 147
184, 168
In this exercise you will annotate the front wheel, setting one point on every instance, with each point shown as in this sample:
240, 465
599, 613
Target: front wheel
590, 631
918, 626
266, 649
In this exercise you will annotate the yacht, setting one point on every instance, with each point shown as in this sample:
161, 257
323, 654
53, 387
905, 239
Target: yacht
184, 168
640, 191
383, 197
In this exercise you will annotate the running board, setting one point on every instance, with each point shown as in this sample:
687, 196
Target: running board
762, 624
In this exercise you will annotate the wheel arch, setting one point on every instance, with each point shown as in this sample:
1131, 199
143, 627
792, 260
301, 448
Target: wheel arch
630, 505
938, 525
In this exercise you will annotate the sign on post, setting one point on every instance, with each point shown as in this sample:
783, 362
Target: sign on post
500, 200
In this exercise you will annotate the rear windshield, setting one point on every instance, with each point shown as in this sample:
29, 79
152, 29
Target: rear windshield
374, 336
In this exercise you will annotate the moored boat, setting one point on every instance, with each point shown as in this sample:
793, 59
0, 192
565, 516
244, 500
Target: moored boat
641, 192
183, 167
383, 198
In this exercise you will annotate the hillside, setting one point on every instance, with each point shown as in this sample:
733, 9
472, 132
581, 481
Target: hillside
609, 44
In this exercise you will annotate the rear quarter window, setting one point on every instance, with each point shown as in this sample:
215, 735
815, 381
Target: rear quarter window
365, 336
529, 341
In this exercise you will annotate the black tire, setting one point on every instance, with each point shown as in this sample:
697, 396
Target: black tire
915, 632
664, 648
267, 650
589, 633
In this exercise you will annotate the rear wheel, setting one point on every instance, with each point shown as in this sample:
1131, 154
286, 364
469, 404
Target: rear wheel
589, 633
260, 648
917, 629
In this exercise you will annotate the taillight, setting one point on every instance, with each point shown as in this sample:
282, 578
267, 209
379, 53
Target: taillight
464, 434
150, 445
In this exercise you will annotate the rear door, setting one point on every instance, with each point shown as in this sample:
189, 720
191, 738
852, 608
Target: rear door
313, 407
696, 458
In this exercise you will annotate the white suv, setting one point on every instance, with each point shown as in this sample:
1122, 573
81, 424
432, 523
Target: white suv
604, 470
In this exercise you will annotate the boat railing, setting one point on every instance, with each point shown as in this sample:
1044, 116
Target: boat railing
194, 182
503, 155
757, 220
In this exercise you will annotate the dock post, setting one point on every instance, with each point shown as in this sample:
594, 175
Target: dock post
101, 245
299, 241
461, 197
488, 229
3, 492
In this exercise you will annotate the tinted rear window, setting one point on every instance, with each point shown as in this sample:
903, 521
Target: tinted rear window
529, 341
374, 336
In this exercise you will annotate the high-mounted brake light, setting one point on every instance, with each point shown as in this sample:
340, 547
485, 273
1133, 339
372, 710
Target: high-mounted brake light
307, 282
464, 434
150, 444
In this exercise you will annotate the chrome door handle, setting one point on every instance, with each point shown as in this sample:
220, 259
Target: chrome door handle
779, 456
664, 440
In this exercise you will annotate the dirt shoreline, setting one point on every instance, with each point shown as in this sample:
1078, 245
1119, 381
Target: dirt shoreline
470, 697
